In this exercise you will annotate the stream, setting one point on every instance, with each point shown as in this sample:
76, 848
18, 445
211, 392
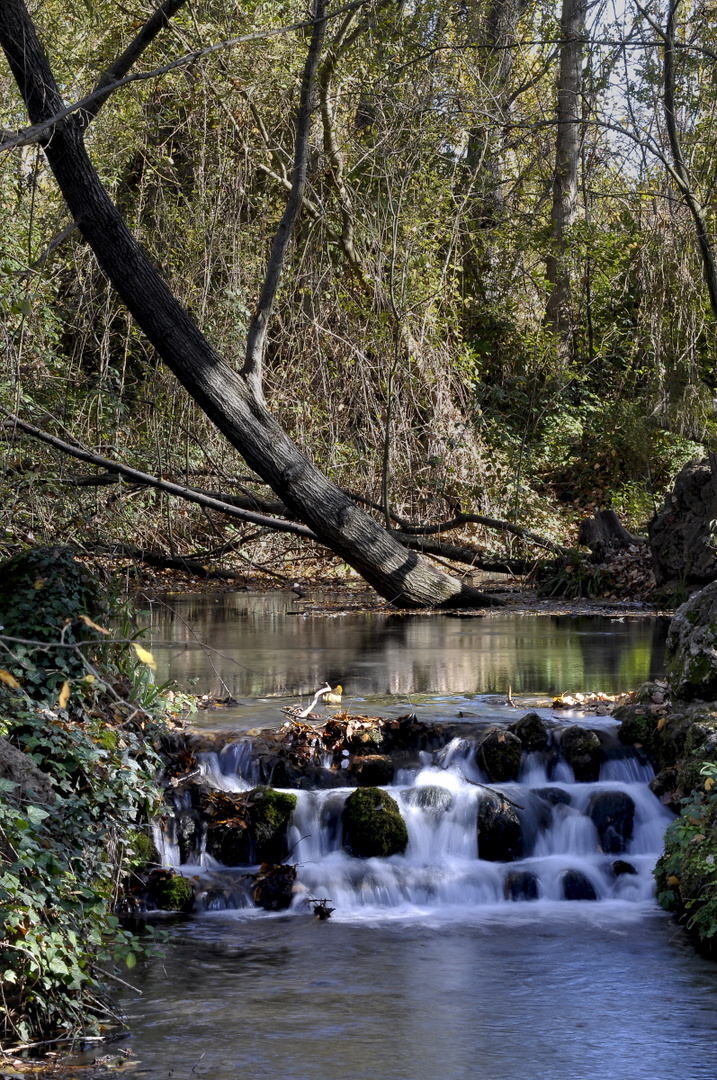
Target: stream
552, 961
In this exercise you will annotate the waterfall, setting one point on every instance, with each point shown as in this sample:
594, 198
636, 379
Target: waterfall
576, 841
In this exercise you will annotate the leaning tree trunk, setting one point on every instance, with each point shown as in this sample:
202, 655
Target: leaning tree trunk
565, 184
230, 401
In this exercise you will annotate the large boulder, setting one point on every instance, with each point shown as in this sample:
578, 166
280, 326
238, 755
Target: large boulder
435, 800
613, 815
371, 770
583, 752
499, 754
500, 834
521, 885
691, 656
372, 824
680, 532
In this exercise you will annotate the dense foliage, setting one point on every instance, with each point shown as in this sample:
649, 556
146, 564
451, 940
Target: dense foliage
409, 350
78, 788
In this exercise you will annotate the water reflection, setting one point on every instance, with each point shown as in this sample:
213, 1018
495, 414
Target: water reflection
264, 644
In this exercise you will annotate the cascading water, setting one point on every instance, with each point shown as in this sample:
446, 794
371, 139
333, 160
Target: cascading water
574, 841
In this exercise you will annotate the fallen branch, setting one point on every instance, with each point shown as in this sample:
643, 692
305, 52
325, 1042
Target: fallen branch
469, 556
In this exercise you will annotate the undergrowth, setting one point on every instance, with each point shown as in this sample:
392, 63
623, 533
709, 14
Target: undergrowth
78, 787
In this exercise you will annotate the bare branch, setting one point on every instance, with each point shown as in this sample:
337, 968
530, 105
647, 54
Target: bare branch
162, 485
256, 337
108, 80
39, 132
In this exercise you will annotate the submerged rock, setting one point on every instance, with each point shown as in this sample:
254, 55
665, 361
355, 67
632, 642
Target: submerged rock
499, 754
372, 824
554, 795
521, 885
500, 834
576, 886
583, 752
620, 867
434, 798
532, 731
613, 815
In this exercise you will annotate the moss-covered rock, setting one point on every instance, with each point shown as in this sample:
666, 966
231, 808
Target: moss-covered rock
691, 651
169, 891
250, 827
499, 755
372, 824
583, 752
532, 731
500, 834
638, 728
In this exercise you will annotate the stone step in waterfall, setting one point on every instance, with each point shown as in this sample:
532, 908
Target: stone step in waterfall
573, 820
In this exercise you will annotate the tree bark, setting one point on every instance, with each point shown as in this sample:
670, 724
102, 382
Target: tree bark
565, 183
230, 401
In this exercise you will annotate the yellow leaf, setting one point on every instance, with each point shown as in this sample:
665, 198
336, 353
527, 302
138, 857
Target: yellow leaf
709, 783
40, 583
64, 695
661, 723
672, 880
89, 679
88, 622
145, 656
9, 679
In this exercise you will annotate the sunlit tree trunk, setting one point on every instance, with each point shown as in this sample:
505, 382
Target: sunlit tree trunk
558, 312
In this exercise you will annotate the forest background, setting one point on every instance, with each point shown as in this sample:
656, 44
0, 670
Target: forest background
498, 298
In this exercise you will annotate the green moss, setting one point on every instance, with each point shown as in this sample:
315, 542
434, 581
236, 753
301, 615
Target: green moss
144, 849
372, 824
172, 892
269, 816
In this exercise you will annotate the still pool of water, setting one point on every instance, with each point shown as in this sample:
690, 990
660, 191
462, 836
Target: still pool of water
572, 992
542, 990
269, 644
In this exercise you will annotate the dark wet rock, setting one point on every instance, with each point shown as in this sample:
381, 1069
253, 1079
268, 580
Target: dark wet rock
500, 834
372, 824
532, 731
274, 887
554, 795
620, 867
371, 770
576, 886
583, 752
680, 532
499, 755
434, 798
168, 891
691, 650
521, 885
613, 815
665, 785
